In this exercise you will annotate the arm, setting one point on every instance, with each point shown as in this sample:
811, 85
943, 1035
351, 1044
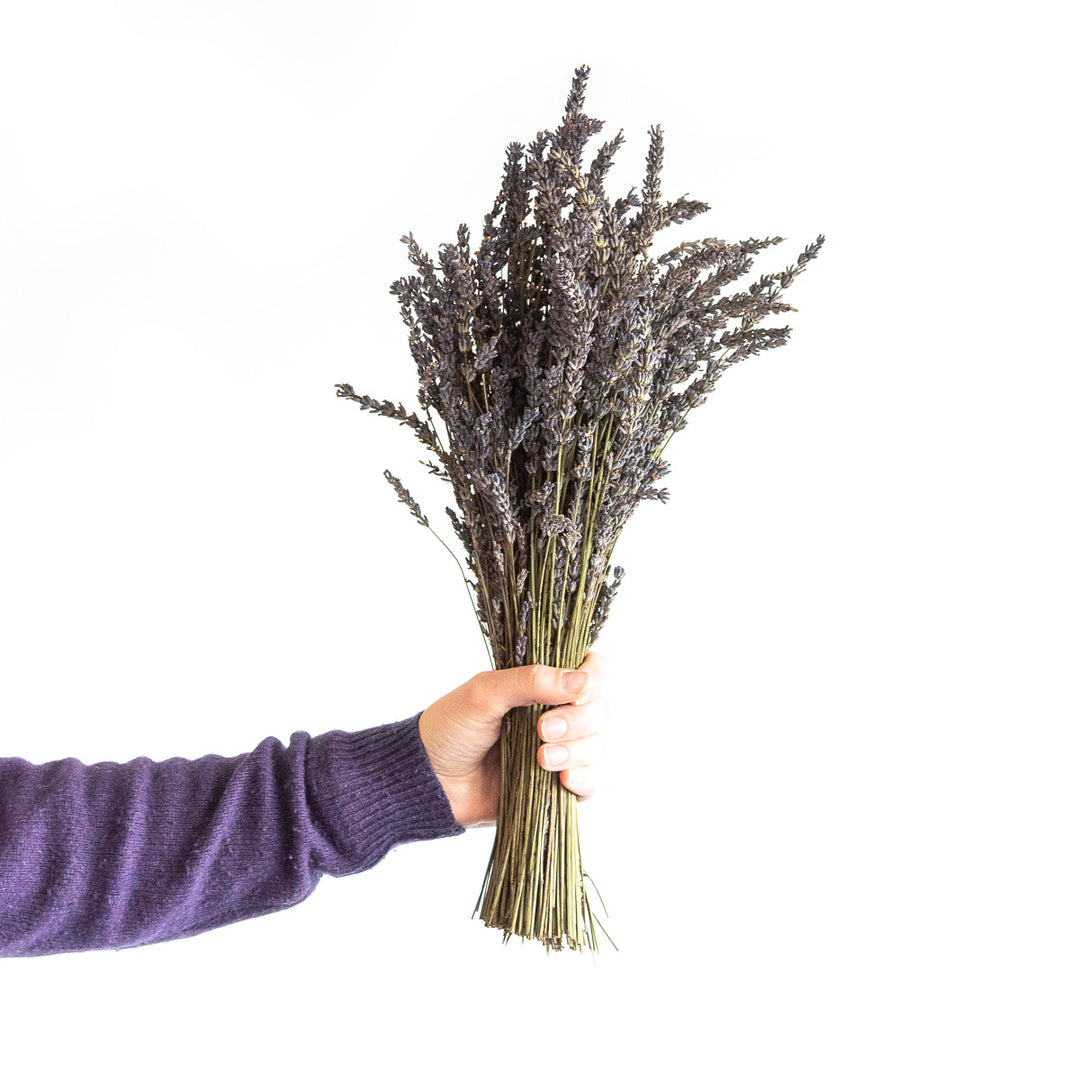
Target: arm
112, 856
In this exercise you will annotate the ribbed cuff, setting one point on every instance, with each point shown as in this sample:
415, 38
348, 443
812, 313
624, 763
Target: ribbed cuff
374, 789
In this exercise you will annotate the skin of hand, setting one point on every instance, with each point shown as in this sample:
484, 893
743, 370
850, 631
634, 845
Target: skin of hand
461, 731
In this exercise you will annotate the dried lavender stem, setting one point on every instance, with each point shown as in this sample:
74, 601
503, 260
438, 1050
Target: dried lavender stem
573, 332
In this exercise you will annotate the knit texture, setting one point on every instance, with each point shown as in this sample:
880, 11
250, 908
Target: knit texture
110, 856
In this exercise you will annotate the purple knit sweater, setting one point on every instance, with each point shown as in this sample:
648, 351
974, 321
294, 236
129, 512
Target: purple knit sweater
110, 856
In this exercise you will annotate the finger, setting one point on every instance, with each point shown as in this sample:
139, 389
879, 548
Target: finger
494, 693
582, 782
596, 667
574, 721
571, 755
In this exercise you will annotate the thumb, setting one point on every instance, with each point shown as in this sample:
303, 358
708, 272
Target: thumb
497, 692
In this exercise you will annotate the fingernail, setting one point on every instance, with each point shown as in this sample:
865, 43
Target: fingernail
555, 756
573, 682
553, 727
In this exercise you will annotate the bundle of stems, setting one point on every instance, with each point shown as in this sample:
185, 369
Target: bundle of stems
561, 358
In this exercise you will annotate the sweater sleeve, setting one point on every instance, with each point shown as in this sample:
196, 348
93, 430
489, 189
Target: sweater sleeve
111, 856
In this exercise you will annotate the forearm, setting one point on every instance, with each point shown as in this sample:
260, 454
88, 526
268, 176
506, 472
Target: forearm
112, 856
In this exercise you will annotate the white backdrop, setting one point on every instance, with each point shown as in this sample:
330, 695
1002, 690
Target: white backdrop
838, 834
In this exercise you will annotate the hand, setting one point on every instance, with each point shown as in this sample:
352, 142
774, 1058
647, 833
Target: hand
461, 732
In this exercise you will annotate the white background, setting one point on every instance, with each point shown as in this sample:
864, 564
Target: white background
838, 835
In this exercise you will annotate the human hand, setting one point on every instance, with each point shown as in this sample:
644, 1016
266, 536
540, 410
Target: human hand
461, 731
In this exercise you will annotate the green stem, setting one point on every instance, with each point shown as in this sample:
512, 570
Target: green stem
472, 605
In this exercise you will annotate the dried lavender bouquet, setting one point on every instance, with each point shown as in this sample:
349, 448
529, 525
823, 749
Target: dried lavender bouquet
561, 358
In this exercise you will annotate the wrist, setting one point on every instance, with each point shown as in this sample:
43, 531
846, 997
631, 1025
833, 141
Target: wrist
473, 800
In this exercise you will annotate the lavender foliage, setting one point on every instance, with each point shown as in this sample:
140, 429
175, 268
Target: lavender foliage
560, 358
